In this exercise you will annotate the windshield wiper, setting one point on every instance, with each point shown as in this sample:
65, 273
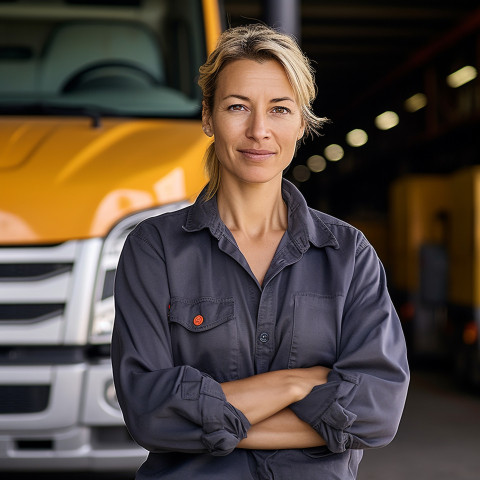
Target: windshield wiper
41, 108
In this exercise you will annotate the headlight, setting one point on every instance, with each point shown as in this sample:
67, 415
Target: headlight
103, 307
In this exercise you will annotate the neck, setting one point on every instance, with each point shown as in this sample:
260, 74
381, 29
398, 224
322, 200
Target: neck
253, 209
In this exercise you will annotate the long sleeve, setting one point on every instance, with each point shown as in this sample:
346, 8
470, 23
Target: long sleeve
361, 404
166, 407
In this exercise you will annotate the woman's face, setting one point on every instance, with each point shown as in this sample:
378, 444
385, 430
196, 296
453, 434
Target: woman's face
256, 121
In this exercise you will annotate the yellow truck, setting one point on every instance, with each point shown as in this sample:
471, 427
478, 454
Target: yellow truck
99, 129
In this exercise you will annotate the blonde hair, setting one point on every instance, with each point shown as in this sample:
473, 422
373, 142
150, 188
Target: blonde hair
260, 43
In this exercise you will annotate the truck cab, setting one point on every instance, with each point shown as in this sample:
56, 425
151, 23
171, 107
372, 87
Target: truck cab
99, 129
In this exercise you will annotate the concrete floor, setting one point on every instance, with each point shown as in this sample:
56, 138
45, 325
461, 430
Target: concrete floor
438, 439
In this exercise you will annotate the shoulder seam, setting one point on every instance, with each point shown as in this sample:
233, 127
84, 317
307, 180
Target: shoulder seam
362, 245
136, 234
141, 237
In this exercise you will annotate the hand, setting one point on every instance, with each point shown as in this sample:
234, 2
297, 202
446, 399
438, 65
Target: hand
308, 378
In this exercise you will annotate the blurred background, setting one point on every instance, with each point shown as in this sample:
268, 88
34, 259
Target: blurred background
399, 159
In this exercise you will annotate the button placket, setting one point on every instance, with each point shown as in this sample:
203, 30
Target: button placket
265, 331
264, 337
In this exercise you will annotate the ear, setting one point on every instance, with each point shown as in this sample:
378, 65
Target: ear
207, 125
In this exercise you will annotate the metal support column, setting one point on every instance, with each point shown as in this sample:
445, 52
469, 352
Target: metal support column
284, 15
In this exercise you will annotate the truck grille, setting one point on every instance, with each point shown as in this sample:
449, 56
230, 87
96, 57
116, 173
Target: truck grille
32, 271
23, 398
30, 312
34, 282
46, 292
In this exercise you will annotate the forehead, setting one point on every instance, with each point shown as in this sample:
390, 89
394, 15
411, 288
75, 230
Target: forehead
247, 77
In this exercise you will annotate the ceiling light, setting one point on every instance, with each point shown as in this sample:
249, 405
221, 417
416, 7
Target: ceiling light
357, 137
334, 152
415, 102
316, 163
386, 120
462, 76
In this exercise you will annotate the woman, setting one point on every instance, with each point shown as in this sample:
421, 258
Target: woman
254, 337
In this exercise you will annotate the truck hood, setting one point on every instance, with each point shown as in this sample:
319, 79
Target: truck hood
62, 179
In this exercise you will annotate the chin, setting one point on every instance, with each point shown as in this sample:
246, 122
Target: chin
254, 175
262, 179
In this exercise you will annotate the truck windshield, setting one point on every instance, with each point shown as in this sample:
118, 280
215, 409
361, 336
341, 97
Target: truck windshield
124, 58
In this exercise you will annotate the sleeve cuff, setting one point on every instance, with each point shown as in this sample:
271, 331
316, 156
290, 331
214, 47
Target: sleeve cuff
325, 410
223, 425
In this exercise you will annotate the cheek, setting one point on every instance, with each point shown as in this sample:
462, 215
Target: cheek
290, 139
290, 131
223, 144
226, 134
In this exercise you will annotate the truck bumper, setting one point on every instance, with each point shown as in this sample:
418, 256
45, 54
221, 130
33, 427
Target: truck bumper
80, 448
79, 428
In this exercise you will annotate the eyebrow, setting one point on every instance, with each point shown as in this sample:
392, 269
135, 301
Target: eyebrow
273, 100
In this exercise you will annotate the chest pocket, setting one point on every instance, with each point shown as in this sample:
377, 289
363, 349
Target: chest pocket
204, 335
316, 330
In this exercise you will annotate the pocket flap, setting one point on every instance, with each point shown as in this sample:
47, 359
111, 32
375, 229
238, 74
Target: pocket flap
201, 314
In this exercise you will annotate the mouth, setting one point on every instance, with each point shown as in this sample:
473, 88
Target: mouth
256, 154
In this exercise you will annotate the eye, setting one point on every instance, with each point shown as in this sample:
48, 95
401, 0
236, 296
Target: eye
237, 107
281, 110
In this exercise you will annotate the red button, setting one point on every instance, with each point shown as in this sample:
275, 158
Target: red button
198, 320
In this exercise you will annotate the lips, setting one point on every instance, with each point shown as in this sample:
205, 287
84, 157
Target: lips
256, 154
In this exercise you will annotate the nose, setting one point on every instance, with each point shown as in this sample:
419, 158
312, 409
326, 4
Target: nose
258, 128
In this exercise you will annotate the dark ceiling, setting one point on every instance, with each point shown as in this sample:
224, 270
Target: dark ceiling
366, 53
354, 43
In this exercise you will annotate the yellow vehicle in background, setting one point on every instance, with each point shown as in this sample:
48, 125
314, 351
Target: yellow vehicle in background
418, 260
464, 276
99, 129
435, 268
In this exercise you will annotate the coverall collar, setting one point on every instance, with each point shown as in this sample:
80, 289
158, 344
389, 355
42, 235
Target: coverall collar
304, 226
